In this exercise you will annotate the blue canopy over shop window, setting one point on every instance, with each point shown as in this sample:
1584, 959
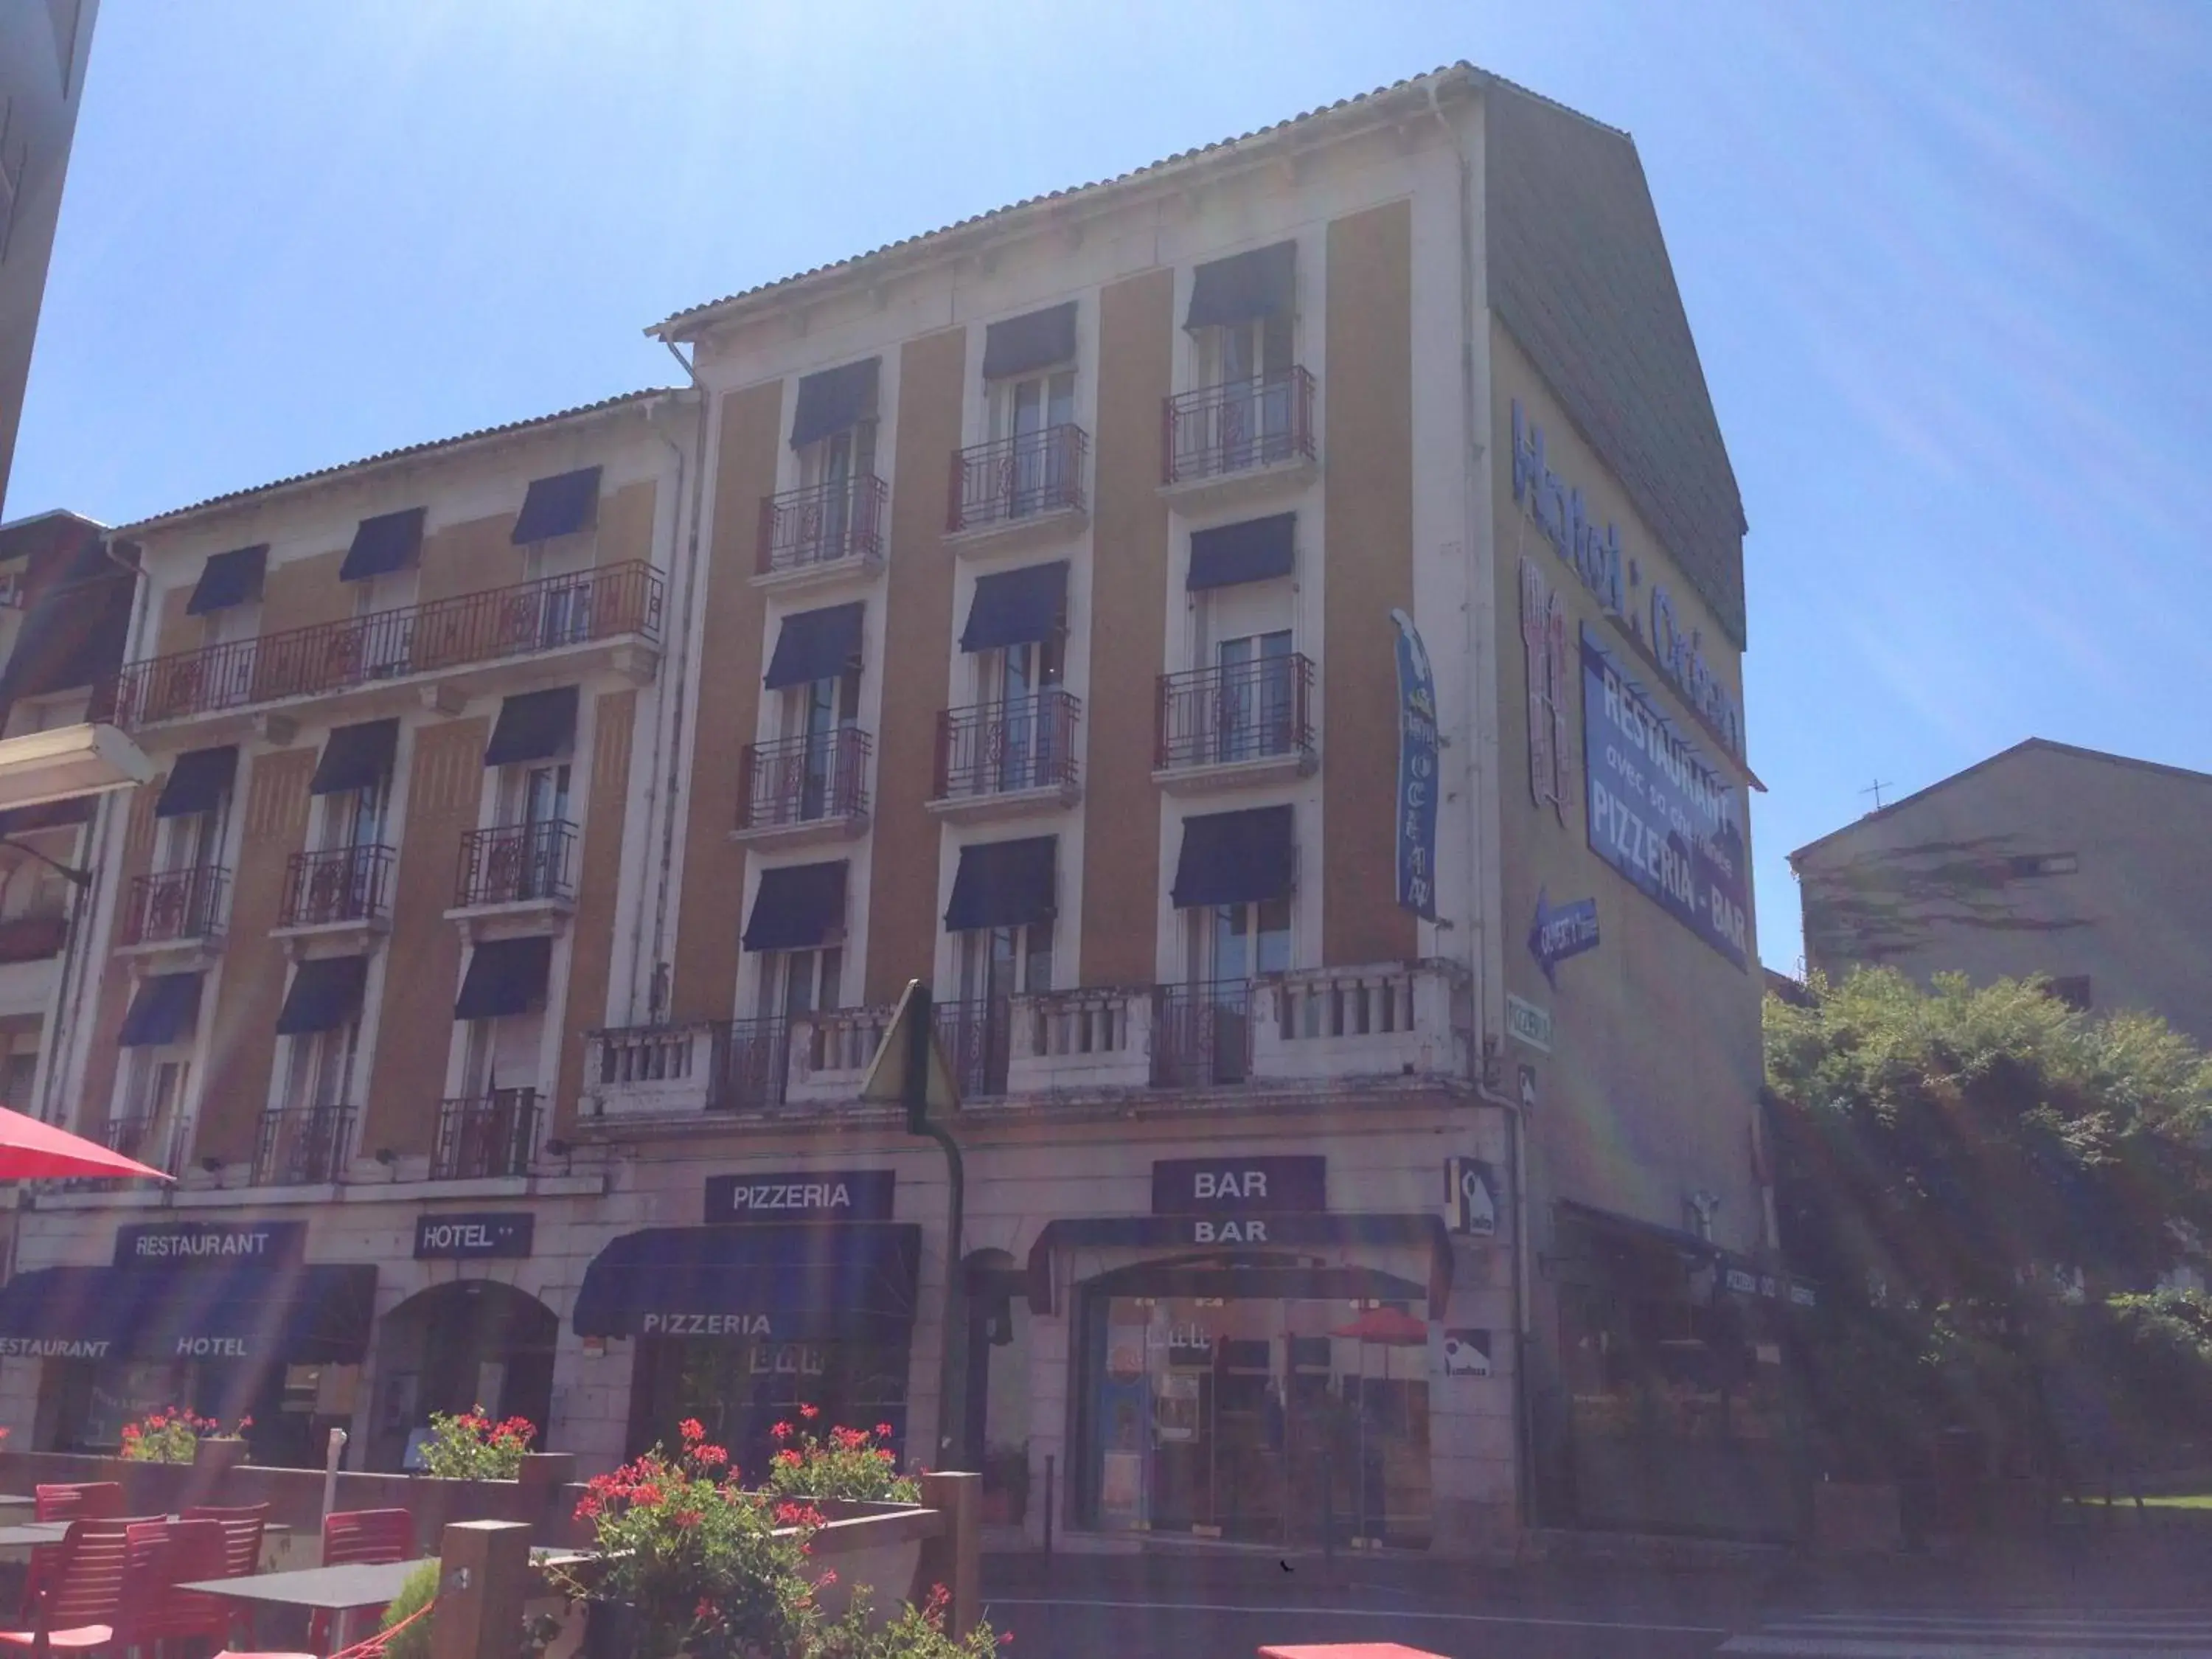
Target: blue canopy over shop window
240, 1309
228, 579
163, 1010
387, 542
559, 506
855, 1281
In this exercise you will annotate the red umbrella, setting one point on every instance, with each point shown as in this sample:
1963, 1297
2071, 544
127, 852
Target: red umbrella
1387, 1326
31, 1151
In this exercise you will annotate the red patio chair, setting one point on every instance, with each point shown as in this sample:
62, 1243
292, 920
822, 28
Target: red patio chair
159, 1555
84, 1500
370, 1536
242, 1530
79, 1604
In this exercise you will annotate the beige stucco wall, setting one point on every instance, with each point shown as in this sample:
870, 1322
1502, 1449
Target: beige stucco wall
1649, 1092
1930, 885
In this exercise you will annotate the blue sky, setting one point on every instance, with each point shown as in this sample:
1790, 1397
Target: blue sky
1946, 266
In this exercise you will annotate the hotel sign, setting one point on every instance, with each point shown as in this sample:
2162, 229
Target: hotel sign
475, 1237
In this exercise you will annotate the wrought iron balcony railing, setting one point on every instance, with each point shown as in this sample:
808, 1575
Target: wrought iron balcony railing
488, 1135
1018, 477
607, 603
157, 1142
1248, 711
822, 524
303, 1145
344, 883
516, 862
1219, 430
804, 779
996, 749
173, 906
33, 938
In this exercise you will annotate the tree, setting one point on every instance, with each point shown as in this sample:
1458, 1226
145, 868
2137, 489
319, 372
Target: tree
1966, 1172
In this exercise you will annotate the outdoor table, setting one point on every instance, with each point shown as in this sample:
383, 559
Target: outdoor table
325, 1589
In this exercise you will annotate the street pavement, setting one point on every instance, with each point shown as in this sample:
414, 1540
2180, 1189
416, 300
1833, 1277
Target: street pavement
2116, 1594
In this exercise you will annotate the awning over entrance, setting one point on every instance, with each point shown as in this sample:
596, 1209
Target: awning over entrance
1242, 1232
242, 1310
855, 1281
1734, 1274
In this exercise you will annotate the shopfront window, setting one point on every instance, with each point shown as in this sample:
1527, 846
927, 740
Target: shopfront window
1259, 1419
741, 1388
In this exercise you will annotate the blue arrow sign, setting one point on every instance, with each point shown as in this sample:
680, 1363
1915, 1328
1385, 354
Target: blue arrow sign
1555, 935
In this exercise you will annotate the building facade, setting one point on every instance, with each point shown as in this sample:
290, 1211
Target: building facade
2082, 866
1260, 637
43, 50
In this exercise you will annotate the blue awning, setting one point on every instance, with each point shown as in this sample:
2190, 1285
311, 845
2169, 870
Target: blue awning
1016, 607
853, 1280
833, 400
197, 782
163, 1010
1260, 283
242, 1310
559, 506
227, 579
387, 542
1234, 858
325, 993
815, 645
1255, 551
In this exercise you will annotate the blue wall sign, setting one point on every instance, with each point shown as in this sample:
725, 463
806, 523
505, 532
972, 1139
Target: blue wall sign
1417, 772
1658, 811
1558, 512
1681, 652
1555, 935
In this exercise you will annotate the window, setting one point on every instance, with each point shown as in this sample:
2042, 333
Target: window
1258, 695
150, 1126
813, 714
796, 983
1236, 942
354, 817
2029, 865
384, 607
1010, 683
318, 1072
1022, 411
537, 807
997, 962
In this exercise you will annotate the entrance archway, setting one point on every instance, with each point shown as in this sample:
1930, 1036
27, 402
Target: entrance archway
473, 1342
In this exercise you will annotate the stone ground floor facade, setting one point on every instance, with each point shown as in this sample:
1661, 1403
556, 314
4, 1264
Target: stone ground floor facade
1209, 1324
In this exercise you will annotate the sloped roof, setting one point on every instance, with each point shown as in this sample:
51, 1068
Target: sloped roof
408, 452
1579, 276
1414, 90
2074, 751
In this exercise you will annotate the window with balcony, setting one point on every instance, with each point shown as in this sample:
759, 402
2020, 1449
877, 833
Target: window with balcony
156, 1040
528, 853
795, 939
182, 898
1250, 404
380, 567
307, 1132
345, 874
814, 770
502, 1013
1017, 732
227, 599
1234, 877
1001, 915
836, 511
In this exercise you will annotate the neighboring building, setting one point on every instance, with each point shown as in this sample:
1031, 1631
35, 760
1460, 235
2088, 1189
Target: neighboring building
1034, 625
2086, 867
64, 615
44, 48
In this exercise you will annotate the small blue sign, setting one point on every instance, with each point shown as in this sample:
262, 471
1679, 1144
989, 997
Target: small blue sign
1555, 935
1417, 772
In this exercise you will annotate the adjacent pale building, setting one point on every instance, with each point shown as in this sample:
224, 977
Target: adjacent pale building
1260, 636
2085, 868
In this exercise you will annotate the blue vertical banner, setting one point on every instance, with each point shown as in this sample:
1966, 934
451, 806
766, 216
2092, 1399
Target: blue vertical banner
1417, 772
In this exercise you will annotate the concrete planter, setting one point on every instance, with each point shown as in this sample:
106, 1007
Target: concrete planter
217, 1454
1857, 1518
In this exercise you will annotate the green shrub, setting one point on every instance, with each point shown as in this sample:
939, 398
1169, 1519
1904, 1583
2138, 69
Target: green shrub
419, 1591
